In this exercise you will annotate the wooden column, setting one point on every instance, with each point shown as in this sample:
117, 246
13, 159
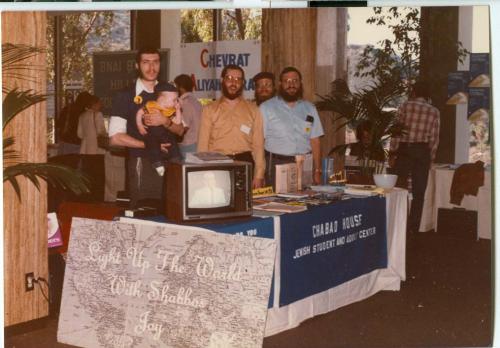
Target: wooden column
289, 39
438, 57
25, 220
147, 31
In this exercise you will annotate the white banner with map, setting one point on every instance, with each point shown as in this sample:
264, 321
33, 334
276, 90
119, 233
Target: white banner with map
147, 285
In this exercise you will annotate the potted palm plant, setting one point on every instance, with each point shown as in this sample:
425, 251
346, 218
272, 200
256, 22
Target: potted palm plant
14, 102
373, 110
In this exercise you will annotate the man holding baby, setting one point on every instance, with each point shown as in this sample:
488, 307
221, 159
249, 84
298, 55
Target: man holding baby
144, 180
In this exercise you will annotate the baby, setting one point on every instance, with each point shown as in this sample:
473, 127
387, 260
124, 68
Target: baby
167, 104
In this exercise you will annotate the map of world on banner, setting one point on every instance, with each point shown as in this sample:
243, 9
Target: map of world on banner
161, 285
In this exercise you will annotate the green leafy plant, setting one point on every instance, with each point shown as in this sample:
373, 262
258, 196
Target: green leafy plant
397, 61
16, 101
373, 104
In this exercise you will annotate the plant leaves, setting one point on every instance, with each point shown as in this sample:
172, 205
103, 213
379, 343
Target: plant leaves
17, 101
57, 175
373, 104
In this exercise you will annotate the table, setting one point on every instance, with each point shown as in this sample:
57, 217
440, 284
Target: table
287, 317
437, 195
284, 315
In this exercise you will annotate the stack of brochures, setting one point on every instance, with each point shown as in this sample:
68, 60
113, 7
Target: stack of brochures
362, 190
280, 207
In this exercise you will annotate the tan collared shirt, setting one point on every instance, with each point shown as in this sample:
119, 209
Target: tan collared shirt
233, 129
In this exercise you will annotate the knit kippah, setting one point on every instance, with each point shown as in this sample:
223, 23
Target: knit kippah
165, 87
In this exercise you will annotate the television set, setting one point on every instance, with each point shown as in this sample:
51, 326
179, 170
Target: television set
205, 192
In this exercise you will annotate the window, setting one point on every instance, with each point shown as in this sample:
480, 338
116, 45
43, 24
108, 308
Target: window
82, 34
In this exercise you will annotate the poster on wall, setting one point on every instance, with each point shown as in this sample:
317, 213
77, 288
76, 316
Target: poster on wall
457, 87
204, 62
116, 70
163, 285
479, 70
479, 103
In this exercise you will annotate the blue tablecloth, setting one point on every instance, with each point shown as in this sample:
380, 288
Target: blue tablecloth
322, 247
329, 245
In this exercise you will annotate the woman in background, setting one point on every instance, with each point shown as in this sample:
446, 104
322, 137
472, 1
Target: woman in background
90, 125
67, 123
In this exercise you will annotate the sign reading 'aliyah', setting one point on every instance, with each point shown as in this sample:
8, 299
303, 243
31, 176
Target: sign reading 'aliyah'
161, 285
204, 63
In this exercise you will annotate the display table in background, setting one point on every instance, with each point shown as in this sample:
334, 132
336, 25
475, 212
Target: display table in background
437, 195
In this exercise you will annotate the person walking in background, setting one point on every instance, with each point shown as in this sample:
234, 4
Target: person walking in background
191, 114
233, 126
291, 126
413, 152
264, 87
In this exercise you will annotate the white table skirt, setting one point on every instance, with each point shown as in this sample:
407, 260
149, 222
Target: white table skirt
437, 195
290, 316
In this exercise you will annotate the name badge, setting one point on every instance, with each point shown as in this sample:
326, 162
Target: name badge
309, 123
245, 129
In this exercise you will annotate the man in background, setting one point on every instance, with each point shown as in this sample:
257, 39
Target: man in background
264, 87
413, 152
233, 126
191, 114
291, 126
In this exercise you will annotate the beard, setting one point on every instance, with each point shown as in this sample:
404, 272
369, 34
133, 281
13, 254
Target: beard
291, 97
260, 99
229, 95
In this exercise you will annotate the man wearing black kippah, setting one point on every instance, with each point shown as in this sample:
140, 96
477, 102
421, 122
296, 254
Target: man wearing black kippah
264, 87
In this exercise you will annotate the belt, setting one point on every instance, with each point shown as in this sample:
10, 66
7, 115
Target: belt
280, 157
242, 156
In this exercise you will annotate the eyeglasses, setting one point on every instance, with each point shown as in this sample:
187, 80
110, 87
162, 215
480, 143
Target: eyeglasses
291, 81
235, 79
264, 85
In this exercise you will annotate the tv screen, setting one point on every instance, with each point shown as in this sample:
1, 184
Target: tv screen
208, 189
199, 192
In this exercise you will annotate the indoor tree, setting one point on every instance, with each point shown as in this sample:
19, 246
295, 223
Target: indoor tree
14, 102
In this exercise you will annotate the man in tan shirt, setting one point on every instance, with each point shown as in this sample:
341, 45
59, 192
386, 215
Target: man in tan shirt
233, 126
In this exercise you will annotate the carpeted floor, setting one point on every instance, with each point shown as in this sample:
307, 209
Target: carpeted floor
446, 301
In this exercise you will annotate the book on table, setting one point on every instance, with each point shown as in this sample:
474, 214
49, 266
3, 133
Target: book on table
281, 207
207, 157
